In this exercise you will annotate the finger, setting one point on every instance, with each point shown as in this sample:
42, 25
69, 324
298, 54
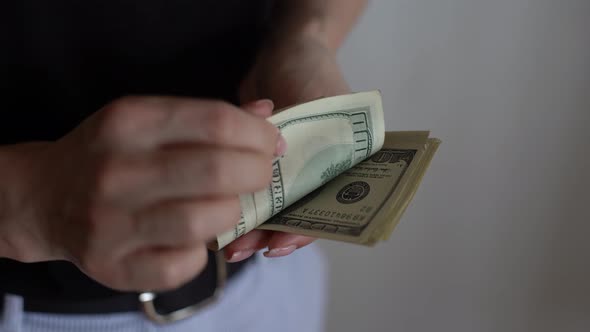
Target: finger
261, 108
148, 122
161, 269
282, 244
186, 222
245, 246
182, 172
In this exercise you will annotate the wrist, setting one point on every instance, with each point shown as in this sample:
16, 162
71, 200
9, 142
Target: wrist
19, 238
294, 47
308, 24
328, 22
313, 30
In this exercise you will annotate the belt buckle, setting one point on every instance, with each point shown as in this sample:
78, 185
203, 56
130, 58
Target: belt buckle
149, 308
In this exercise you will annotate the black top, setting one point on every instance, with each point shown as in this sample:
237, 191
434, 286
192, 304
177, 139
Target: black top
61, 60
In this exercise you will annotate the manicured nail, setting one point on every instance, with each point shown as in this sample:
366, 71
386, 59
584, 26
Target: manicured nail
240, 255
262, 107
281, 146
279, 252
264, 103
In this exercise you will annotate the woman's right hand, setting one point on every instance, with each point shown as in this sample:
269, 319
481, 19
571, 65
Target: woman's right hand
133, 195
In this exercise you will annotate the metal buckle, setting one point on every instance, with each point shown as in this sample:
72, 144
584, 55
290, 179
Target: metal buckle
147, 298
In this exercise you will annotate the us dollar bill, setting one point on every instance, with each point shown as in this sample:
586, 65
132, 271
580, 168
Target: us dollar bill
325, 138
365, 203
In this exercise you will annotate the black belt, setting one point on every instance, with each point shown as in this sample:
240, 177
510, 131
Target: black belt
196, 292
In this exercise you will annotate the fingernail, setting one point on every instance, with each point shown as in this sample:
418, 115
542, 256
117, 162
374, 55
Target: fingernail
281, 146
279, 252
240, 255
264, 103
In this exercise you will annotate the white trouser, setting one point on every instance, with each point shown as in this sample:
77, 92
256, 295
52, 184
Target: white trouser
280, 294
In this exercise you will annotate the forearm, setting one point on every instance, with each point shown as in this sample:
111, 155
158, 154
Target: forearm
328, 20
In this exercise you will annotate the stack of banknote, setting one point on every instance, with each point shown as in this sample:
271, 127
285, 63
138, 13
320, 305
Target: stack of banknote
343, 177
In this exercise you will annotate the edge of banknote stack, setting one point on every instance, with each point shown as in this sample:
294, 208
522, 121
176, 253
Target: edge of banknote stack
406, 190
405, 157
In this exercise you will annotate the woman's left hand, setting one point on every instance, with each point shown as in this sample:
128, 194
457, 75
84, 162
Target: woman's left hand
289, 72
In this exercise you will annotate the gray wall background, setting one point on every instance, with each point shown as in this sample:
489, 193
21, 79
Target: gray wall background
498, 235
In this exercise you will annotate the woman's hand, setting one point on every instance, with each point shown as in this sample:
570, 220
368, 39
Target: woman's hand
133, 195
288, 73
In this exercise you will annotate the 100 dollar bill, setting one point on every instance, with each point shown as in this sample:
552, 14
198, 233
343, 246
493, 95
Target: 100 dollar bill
365, 203
324, 138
